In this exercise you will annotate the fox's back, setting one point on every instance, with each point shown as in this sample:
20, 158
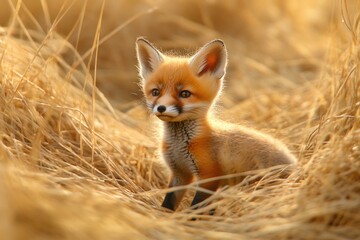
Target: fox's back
241, 149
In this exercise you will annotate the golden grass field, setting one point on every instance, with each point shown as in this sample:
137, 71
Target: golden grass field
78, 156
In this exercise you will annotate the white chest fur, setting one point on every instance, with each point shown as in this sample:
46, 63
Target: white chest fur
178, 137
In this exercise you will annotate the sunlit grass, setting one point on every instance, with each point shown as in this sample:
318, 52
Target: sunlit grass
78, 156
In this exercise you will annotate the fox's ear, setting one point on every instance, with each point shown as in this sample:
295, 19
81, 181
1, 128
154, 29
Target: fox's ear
148, 56
210, 59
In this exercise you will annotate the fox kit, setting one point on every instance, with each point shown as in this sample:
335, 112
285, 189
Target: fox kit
180, 91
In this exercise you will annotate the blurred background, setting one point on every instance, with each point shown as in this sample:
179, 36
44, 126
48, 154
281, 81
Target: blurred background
271, 44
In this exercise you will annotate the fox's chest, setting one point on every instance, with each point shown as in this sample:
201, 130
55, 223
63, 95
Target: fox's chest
179, 139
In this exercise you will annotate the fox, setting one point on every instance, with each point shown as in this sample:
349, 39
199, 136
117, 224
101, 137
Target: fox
181, 91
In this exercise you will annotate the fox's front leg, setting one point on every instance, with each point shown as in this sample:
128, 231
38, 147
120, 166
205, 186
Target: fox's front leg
200, 195
208, 169
172, 199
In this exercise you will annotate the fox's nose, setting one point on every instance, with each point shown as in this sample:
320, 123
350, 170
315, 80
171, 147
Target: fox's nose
161, 108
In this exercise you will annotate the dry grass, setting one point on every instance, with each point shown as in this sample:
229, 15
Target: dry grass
78, 161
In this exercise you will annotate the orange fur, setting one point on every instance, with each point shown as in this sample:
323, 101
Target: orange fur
181, 91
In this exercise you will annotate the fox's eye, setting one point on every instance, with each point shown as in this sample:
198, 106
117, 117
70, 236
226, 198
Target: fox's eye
185, 94
155, 92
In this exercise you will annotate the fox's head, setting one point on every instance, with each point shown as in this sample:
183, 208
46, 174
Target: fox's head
178, 89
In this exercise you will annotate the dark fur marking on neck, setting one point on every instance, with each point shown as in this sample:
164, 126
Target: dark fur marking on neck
181, 132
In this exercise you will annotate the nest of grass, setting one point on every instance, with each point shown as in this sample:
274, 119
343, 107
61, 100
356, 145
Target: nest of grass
78, 157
